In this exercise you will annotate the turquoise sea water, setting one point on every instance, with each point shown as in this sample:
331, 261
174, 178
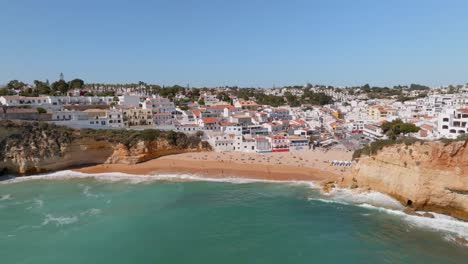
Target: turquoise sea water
87, 220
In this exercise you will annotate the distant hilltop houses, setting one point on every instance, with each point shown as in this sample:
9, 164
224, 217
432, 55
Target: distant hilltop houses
293, 118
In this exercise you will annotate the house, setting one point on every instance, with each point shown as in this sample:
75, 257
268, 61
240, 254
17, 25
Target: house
373, 132
231, 128
209, 123
377, 113
279, 143
16, 100
90, 118
222, 142
452, 123
305, 132
262, 144
159, 105
209, 99
137, 117
162, 118
243, 120
128, 100
298, 143
279, 114
273, 127
248, 144
246, 105
187, 128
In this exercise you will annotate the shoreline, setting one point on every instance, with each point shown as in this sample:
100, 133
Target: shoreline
359, 198
300, 166
214, 169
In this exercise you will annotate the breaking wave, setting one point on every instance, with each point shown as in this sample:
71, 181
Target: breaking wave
59, 221
87, 191
382, 203
136, 179
452, 227
5, 197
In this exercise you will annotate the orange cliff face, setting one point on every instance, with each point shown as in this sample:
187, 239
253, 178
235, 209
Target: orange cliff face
429, 176
49, 155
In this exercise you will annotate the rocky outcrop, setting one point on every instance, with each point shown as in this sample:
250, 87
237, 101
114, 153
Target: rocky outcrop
426, 176
33, 148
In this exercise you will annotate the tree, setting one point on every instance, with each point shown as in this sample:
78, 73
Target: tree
201, 102
292, 100
42, 87
76, 84
222, 96
60, 86
414, 86
6, 91
365, 87
41, 110
15, 85
397, 127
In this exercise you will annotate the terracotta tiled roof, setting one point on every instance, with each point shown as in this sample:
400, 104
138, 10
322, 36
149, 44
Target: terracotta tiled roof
209, 120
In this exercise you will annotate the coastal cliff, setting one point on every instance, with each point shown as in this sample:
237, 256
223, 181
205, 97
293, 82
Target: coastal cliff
426, 176
27, 148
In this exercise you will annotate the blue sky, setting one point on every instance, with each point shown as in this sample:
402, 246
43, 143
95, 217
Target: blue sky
243, 42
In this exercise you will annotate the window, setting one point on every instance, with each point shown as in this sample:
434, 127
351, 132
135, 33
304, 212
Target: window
445, 127
453, 131
445, 120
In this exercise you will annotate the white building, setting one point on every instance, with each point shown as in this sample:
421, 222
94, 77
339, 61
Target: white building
452, 123
159, 105
209, 99
16, 100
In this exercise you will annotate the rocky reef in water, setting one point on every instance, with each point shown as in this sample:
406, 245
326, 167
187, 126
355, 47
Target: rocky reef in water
33, 147
425, 176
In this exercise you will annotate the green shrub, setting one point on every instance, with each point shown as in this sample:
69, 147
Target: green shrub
374, 147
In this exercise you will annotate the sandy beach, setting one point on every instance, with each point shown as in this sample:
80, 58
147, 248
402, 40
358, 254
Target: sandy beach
303, 165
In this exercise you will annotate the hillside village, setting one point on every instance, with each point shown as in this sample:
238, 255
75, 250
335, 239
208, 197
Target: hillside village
249, 119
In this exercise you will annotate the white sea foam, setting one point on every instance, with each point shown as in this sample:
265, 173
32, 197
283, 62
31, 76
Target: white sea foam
92, 211
38, 202
440, 222
59, 221
369, 200
328, 201
86, 191
385, 204
372, 198
136, 179
5, 197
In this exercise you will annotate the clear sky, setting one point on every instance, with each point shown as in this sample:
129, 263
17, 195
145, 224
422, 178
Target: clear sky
238, 42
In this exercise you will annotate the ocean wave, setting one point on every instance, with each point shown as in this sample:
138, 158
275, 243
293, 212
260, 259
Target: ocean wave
452, 227
137, 179
91, 212
440, 222
328, 201
5, 197
37, 203
368, 197
59, 221
87, 191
